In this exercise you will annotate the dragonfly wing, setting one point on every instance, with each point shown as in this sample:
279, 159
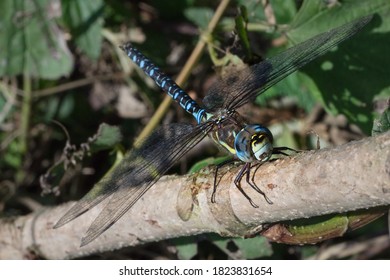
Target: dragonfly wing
238, 89
120, 202
103, 189
136, 173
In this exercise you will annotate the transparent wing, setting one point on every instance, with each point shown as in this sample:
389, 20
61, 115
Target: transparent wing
137, 172
242, 87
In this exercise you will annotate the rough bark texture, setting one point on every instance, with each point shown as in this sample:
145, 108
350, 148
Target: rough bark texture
345, 178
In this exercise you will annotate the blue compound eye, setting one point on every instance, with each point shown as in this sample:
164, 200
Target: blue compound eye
254, 142
261, 146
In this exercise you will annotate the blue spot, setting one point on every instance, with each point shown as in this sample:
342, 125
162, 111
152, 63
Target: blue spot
142, 64
199, 115
151, 72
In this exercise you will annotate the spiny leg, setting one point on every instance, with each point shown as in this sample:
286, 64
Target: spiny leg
251, 182
276, 151
216, 181
237, 181
279, 151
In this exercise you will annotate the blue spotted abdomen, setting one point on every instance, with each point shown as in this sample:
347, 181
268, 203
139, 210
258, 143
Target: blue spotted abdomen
165, 82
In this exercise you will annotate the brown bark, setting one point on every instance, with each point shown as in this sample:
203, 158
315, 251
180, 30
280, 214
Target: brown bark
335, 180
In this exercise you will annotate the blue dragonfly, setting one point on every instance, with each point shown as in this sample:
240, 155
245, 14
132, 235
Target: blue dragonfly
250, 143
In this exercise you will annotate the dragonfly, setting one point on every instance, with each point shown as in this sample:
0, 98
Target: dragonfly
251, 143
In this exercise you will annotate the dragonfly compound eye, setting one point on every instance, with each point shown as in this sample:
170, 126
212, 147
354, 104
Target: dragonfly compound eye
254, 142
261, 146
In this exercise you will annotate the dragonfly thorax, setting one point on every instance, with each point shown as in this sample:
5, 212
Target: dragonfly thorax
249, 142
254, 143
226, 126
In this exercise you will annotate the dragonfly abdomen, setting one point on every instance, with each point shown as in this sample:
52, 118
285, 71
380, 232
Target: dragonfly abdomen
165, 82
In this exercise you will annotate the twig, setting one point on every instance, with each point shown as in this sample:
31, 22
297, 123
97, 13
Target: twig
76, 84
345, 178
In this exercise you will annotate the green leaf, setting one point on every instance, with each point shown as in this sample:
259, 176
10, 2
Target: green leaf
186, 247
106, 138
297, 85
30, 41
284, 10
199, 16
349, 78
307, 11
84, 18
254, 248
239, 248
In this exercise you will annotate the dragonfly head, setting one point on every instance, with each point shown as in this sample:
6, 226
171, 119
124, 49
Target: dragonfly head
254, 143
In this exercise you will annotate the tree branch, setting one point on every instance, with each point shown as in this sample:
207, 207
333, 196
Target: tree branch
345, 178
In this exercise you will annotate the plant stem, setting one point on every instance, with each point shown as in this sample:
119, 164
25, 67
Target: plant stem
24, 123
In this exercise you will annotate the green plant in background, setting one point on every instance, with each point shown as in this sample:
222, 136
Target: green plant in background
34, 46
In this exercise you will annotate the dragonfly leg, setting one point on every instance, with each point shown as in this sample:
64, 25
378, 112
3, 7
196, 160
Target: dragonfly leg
216, 181
280, 151
246, 171
251, 182
237, 181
